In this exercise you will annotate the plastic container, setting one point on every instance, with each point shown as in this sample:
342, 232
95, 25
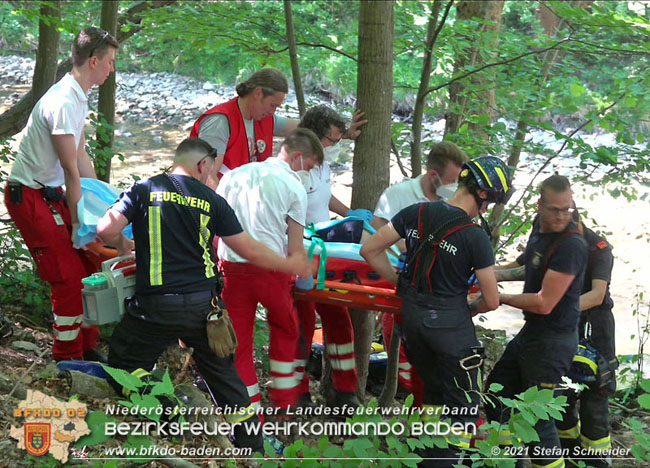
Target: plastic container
104, 292
305, 283
95, 282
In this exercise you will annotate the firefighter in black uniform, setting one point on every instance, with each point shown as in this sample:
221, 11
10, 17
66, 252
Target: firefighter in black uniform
542, 352
585, 431
444, 247
175, 218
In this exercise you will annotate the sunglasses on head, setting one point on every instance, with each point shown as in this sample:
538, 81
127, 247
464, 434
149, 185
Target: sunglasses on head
100, 42
212, 154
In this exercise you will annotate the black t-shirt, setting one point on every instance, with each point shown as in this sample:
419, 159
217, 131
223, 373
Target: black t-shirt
172, 256
599, 266
570, 257
458, 254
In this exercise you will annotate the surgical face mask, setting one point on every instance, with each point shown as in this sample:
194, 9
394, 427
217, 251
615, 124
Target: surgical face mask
305, 177
332, 152
445, 191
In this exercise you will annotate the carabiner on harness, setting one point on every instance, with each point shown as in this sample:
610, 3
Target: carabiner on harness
472, 364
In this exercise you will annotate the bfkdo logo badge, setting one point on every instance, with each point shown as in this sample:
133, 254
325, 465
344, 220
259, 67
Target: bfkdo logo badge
37, 438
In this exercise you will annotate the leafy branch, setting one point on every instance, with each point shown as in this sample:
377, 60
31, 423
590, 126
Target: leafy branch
495, 64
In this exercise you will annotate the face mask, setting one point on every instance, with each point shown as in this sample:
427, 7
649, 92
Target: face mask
332, 152
446, 191
304, 178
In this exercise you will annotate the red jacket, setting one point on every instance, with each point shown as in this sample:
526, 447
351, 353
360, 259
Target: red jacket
237, 153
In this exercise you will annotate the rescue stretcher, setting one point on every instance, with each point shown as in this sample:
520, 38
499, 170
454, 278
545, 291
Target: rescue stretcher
344, 278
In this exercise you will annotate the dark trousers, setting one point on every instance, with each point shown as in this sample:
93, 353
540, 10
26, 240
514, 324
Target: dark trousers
585, 428
536, 357
437, 334
152, 323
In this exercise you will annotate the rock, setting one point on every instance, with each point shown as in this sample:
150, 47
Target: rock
157, 139
494, 342
26, 346
208, 86
88, 385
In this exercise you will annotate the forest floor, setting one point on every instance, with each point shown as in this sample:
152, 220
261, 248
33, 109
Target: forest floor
23, 369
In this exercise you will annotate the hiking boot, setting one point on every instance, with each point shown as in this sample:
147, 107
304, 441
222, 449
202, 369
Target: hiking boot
95, 355
342, 399
305, 401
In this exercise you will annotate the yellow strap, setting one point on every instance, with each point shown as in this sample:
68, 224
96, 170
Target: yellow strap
155, 246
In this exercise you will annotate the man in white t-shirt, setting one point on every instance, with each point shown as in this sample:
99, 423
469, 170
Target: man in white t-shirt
52, 153
439, 182
337, 327
269, 201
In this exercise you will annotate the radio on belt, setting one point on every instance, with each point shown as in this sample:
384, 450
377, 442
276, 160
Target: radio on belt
104, 292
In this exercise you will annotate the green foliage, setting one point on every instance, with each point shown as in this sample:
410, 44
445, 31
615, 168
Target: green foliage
19, 282
99, 149
95, 421
143, 393
641, 451
261, 337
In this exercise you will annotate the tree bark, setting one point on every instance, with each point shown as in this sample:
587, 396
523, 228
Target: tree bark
433, 30
14, 119
293, 56
392, 369
551, 24
458, 97
105, 136
48, 44
372, 148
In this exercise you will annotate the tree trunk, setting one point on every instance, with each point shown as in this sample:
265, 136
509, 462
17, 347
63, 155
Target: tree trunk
48, 44
372, 148
551, 24
433, 30
458, 96
363, 323
106, 104
392, 369
293, 56
14, 119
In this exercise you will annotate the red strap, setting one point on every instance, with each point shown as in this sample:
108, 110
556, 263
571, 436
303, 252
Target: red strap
435, 251
556, 245
420, 231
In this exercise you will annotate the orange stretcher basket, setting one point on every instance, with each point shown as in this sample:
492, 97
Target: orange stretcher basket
352, 295
97, 253
357, 296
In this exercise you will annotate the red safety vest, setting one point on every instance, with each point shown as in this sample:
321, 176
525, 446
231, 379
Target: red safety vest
237, 149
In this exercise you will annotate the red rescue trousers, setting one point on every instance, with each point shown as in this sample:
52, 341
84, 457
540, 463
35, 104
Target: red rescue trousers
245, 286
339, 339
59, 264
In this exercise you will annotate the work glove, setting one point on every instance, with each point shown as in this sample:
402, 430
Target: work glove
366, 215
221, 334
